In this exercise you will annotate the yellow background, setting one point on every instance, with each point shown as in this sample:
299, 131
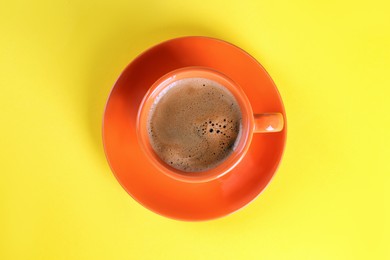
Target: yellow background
330, 197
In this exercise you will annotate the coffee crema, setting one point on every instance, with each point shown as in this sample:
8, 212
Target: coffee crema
194, 124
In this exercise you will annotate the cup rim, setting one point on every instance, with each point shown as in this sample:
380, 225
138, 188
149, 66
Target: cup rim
232, 160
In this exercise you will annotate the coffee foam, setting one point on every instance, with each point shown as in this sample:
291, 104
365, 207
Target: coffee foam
194, 124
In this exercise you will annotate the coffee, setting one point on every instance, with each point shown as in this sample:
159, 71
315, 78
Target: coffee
194, 124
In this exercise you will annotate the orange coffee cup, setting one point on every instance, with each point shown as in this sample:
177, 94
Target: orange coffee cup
251, 123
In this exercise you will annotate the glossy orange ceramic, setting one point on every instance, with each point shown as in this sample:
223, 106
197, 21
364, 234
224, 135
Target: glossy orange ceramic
159, 192
250, 123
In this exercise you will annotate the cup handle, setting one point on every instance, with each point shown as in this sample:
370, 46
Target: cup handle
268, 123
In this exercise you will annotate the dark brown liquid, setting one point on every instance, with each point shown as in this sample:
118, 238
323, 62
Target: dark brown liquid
194, 125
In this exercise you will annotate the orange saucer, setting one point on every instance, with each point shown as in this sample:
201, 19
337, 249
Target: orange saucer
170, 197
